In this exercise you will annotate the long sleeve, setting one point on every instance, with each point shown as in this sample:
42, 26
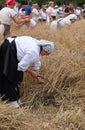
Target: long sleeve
27, 53
29, 60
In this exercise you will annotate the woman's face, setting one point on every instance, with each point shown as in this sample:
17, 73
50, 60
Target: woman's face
43, 53
52, 5
73, 20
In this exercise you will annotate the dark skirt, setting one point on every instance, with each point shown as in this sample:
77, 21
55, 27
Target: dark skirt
7, 29
10, 77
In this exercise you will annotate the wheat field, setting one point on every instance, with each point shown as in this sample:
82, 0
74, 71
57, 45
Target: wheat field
59, 104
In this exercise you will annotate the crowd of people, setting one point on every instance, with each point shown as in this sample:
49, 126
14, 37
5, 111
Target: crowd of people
51, 12
31, 14
22, 54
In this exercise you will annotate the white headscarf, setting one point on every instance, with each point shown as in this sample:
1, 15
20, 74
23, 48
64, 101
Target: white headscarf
47, 46
72, 16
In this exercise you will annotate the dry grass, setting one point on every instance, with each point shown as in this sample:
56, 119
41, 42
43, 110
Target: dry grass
60, 102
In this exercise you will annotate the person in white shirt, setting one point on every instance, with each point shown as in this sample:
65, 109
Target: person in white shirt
43, 14
68, 20
49, 11
78, 12
60, 11
54, 13
7, 14
35, 13
18, 55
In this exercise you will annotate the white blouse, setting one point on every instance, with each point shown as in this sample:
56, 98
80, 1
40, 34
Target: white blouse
28, 53
6, 15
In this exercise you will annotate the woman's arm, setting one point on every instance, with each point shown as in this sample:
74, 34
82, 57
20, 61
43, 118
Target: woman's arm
20, 21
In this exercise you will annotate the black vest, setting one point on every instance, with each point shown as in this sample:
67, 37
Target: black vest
9, 62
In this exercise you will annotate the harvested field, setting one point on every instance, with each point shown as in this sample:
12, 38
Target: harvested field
59, 104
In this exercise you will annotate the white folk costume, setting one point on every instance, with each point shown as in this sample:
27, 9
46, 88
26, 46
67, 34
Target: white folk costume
17, 54
61, 22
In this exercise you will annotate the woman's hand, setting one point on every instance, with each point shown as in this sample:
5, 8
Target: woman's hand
34, 73
40, 80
